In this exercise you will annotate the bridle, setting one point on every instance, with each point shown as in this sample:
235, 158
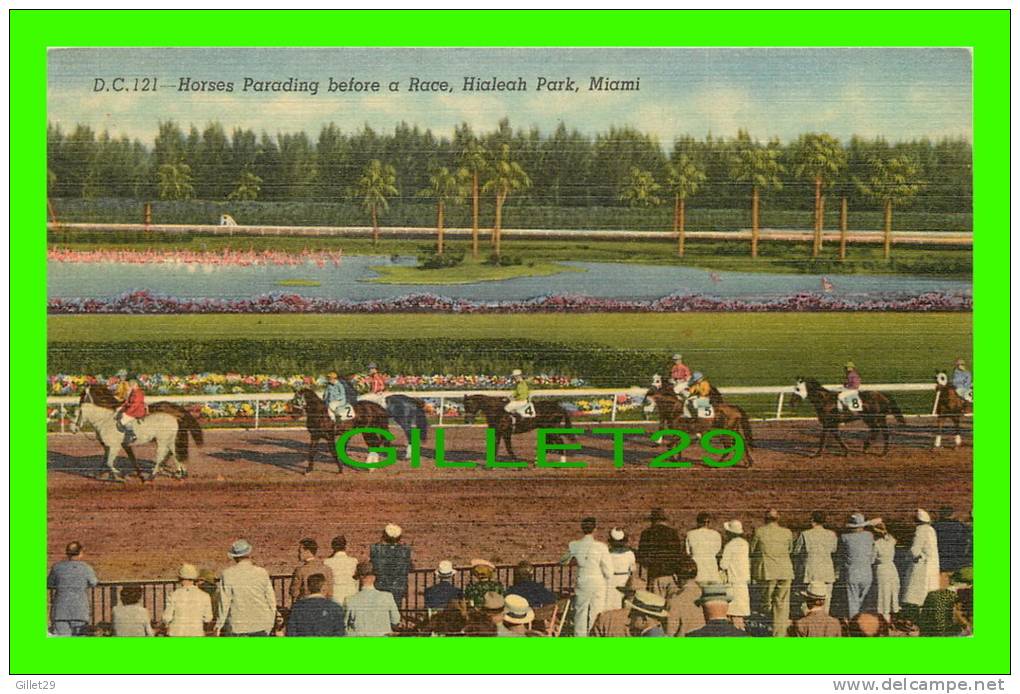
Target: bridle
79, 421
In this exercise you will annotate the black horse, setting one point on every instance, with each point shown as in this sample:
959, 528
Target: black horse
548, 415
875, 408
321, 426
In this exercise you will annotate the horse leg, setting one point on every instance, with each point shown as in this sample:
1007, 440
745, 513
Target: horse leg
885, 437
822, 442
938, 436
311, 456
958, 439
133, 459
111, 459
842, 444
871, 437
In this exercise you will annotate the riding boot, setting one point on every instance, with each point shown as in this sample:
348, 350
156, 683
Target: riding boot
129, 436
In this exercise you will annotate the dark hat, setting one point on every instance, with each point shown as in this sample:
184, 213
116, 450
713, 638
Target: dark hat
365, 568
657, 514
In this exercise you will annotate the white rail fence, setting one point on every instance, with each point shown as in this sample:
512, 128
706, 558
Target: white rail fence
782, 393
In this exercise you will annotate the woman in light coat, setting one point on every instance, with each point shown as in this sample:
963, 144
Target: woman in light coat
923, 576
887, 578
735, 565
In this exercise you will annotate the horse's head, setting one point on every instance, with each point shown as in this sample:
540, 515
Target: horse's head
656, 381
298, 403
800, 392
941, 378
85, 398
472, 406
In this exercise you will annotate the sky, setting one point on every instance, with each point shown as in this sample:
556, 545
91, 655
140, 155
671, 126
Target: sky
895, 93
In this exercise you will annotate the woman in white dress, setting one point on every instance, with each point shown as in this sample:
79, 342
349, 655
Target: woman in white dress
923, 576
887, 578
623, 563
735, 565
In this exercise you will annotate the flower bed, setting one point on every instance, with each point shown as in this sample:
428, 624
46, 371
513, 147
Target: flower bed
145, 302
226, 257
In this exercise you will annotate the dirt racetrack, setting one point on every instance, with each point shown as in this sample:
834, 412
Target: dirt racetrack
249, 484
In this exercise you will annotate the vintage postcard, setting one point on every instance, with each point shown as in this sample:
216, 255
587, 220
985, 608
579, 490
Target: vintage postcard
553, 342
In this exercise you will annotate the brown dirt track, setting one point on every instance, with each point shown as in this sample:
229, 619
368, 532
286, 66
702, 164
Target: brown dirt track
248, 483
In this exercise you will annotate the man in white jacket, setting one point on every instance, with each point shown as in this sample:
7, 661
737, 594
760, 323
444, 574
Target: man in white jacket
703, 545
923, 576
594, 571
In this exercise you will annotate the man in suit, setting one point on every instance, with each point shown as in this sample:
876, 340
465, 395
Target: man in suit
308, 555
371, 612
247, 601
955, 542
771, 565
647, 613
704, 544
816, 620
856, 554
439, 595
594, 571
315, 614
658, 552
525, 585
814, 549
617, 622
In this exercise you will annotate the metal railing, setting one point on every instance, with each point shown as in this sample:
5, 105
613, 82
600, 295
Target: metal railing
556, 577
782, 392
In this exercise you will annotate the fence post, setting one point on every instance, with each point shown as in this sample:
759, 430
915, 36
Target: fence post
258, 403
61, 418
779, 405
442, 408
612, 416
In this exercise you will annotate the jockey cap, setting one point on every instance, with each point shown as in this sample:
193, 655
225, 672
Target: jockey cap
850, 365
371, 365
677, 357
696, 376
332, 374
516, 372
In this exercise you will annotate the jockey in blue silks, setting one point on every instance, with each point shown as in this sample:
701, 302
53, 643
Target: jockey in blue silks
963, 382
335, 396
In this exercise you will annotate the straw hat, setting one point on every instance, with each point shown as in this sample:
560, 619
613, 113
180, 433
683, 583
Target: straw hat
445, 569
492, 601
714, 592
922, 516
393, 531
647, 603
816, 590
516, 610
188, 571
734, 526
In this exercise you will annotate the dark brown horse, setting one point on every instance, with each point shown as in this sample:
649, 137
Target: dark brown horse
548, 415
949, 408
875, 407
672, 415
188, 425
322, 428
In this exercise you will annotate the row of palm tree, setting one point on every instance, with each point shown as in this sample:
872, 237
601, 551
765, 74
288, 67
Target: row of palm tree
820, 159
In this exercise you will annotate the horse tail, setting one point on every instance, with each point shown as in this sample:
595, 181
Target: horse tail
187, 425
894, 409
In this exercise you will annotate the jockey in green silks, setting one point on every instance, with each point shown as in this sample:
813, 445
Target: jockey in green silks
520, 397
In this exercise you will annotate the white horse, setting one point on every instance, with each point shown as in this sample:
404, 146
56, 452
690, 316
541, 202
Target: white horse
158, 426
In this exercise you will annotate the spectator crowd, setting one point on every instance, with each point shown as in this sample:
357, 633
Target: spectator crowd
770, 582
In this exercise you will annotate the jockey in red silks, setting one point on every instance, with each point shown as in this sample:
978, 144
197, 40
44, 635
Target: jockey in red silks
378, 389
680, 373
851, 386
133, 409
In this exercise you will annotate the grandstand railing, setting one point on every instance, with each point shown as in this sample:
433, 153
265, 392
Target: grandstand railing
556, 577
782, 393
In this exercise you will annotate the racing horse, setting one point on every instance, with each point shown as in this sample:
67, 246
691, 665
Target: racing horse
548, 415
187, 425
158, 426
672, 415
875, 407
949, 408
321, 427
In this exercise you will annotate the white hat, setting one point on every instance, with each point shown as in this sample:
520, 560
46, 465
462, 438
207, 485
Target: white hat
240, 548
445, 568
816, 590
647, 603
922, 516
734, 526
393, 531
516, 610
516, 372
617, 534
189, 571
677, 357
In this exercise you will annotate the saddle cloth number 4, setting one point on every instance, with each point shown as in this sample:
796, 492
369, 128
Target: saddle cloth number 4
528, 410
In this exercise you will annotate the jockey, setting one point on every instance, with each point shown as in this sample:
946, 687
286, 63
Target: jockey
335, 396
851, 386
699, 390
962, 381
520, 397
377, 387
132, 409
680, 372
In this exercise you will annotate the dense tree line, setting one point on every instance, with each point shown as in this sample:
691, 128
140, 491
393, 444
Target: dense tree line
620, 167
